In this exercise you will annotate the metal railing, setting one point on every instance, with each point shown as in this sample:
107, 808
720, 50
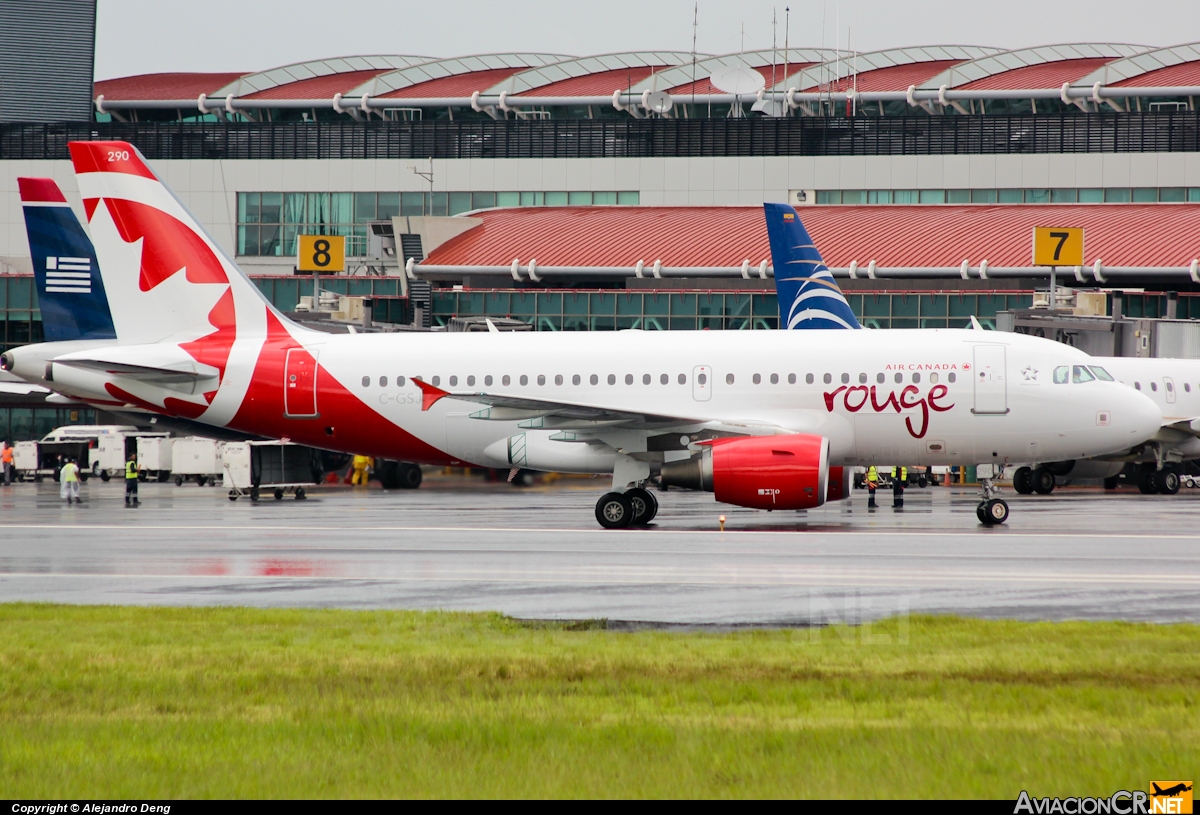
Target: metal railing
1176, 131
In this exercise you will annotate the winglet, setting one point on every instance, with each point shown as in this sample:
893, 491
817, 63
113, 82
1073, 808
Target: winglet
491, 326
975, 324
430, 394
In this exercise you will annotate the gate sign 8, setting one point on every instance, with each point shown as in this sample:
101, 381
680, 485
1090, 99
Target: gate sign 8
1057, 246
321, 253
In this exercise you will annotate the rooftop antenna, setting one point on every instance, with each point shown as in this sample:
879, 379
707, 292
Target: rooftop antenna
787, 18
822, 82
774, 49
695, 23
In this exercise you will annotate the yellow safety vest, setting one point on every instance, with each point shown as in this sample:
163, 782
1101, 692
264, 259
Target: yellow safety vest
131, 469
903, 473
872, 474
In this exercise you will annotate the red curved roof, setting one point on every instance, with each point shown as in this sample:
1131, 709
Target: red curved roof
455, 86
939, 236
319, 87
597, 84
162, 86
1042, 75
894, 77
1183, 74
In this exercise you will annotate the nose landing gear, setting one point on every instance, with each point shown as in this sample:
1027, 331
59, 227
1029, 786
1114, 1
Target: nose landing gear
991, 510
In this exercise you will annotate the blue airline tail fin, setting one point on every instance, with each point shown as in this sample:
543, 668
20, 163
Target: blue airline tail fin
808, 295
65, 270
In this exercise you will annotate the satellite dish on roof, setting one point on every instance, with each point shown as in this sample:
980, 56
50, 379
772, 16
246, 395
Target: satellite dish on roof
738, 79
657, 101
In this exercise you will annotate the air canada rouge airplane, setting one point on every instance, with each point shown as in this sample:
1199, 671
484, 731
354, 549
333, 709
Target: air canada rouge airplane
762, 419
1172, 384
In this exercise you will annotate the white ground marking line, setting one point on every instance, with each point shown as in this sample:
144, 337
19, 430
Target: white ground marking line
880, 533
847, 580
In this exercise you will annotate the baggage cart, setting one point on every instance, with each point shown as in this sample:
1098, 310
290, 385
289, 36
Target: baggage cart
277, 467
195, 458
154, 456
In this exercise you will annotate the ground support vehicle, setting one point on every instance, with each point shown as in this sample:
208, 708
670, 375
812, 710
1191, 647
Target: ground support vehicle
254, 467
195, 458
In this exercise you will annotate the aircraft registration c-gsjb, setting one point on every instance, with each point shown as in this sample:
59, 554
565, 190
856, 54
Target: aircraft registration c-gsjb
763, 419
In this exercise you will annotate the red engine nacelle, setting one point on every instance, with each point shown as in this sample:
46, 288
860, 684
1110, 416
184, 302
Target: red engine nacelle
764, 472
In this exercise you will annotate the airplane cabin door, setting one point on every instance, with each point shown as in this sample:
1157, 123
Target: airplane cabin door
702, 383
1169, 385
991, 381
300, 384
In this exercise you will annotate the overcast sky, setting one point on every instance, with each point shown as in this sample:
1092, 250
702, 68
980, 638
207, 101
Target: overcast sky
146, 36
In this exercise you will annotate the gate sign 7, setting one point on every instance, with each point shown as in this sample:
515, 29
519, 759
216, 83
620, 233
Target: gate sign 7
1057, 246
321, 253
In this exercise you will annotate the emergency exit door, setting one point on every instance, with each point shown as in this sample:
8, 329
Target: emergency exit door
702, 383
991, 380
300, 384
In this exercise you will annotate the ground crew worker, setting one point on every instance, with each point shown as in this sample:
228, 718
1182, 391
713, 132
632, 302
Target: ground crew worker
872, 484
361, 463
68, 478
6, 462
899, 479
131, 481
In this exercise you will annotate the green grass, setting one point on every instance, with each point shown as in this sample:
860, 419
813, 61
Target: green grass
116, 702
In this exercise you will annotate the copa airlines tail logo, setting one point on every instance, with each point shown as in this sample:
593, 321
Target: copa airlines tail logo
818, 298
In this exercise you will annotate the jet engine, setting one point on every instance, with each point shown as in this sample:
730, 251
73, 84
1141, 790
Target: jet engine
763, 472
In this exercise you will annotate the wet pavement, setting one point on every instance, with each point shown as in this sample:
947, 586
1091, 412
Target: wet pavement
537, 552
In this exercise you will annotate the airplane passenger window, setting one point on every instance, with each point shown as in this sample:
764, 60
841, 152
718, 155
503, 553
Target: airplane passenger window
899, 378
862, 379
645, 379
471, 381
916, 378
506, 380
702, 379
880, 378
383, 381
1170, 387
1137, 385
437, 380
1102, 374
665, 378
453, 381
845, 379
1061, 375
612, 379
595, 380
541, 379
399, 382
933, 378
1081, 374
575, 380
683, 379
728, 379
628, 379
487, 380
366, 381
774, 379
756, 379
791, 379
1154, 386
808, 379
524, 379
828, 378
558, 380
952, 376
1187, 387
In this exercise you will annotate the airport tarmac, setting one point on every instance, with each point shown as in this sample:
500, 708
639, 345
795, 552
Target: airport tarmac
537, 552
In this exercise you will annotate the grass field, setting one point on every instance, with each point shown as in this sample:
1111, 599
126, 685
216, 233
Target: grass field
115, 702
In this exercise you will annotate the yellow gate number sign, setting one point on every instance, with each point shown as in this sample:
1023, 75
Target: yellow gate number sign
321, 253
1057, 246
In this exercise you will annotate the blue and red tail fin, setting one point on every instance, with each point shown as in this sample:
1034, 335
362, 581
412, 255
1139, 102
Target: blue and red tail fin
808, 295
70, 289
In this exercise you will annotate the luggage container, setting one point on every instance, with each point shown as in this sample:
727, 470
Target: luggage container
111, 451
195, 458
34, 460
154, 456
254, 467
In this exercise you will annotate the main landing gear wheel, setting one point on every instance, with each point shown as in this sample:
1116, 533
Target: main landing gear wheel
1147, 482
992, 511
614, 511
645, 505
1043, 481
1023, 481
1168, 482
